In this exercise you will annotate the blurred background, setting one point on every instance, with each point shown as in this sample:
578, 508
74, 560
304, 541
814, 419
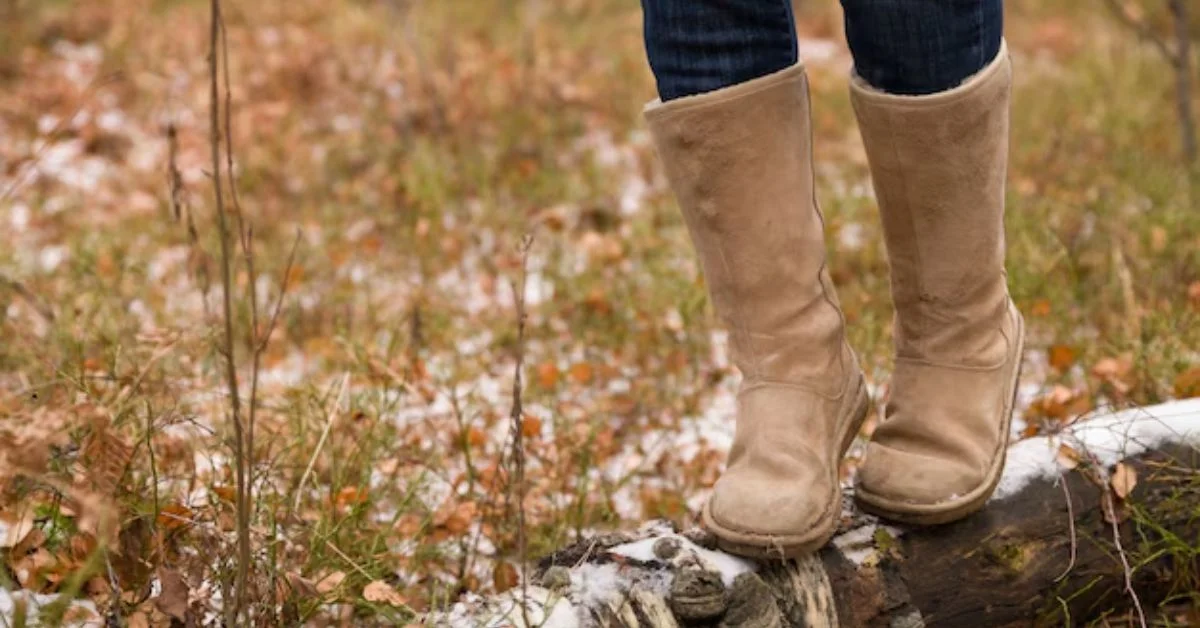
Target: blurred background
388, 159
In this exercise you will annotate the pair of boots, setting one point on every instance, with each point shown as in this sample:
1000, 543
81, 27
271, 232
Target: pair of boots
740, 162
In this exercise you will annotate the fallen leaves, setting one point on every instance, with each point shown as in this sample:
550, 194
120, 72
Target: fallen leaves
1124, 479
1062, 357
1116, 374
1060, 407
381, 592
505, 576
173, 597
330, 582
581, 373
1187, 383
455, 519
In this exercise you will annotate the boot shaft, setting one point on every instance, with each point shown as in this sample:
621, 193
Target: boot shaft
740, 163
938, 164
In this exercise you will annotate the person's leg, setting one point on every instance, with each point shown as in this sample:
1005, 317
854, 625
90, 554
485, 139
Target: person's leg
931, 93
734, 135
915, 47
697, 46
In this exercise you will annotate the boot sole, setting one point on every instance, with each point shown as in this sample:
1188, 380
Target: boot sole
777, 546
954, 509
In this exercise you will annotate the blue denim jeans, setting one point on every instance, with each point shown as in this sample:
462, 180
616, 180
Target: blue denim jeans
908, 47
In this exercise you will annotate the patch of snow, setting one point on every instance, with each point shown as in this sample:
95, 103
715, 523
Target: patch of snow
728, 565
51, 257
545, 609
595, 585
1110, 438
18, 217
858, 545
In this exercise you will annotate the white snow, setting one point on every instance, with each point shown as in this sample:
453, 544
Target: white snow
728, 566
1109, 438
545, 609
857, 545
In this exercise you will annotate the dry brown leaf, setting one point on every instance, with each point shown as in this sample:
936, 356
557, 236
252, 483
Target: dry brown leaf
531, 426
1040, 308
33, 539
505, 576
1187, 383
17, 528
104, 458
1116, 372
226, 493
581, 373
1068, 457
138, 619
175, 516
408, 525
547, 374
1124, 479
1061, 357
456, 520
330, 582
381, 592
351, 496
476, 437
173, 599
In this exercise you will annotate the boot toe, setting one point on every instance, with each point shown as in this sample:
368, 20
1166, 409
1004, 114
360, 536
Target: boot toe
914, 478
751, 503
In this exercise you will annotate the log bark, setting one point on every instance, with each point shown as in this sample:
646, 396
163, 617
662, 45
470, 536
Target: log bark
1010, 565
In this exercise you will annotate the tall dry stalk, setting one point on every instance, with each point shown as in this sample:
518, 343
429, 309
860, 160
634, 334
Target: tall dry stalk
517, 416
227, 341
258, 336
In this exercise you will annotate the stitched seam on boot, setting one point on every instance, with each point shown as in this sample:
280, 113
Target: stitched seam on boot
1007, 403
822, 270
1008, 342
760, 382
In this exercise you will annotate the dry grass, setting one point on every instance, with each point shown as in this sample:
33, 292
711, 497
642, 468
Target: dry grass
412, 144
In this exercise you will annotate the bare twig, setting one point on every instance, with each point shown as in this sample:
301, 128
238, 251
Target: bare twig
517, 415
1106, 500
1179, 57
1071, 522
1183, 79
174, 177
1141, 29
243, 524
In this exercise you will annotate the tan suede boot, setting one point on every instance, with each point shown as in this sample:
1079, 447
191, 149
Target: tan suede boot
740, 162
938, 164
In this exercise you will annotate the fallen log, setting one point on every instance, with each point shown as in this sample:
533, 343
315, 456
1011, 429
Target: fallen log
1060, 543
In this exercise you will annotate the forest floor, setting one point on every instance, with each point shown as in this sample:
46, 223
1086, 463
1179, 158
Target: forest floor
406, 149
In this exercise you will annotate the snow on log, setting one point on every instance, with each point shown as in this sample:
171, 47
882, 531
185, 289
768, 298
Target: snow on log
1051, 549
